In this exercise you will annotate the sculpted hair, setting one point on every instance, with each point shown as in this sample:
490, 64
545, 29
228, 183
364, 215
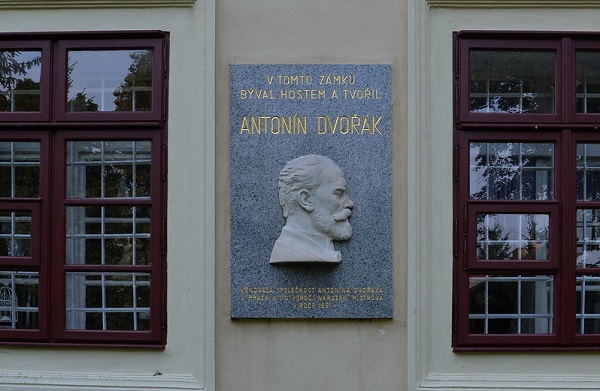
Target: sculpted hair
304, 172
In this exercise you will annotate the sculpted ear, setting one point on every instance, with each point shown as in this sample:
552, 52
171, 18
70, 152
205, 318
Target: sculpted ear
304, 200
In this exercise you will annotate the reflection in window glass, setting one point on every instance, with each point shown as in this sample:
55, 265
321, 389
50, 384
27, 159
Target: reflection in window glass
511, 171
108, 235
511, 304
108, 169
19, 300
19, 169
588, 82
588, 238
109, 80
588, 172
20, 77
511, 82
588, 305
15, 233
512, 237
108, 301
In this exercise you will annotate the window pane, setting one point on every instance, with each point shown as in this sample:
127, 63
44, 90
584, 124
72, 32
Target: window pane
511, 82
588, 305
588, 172
15, 233
102, 169
108, 301
18, 300
512, 237
20, 80
588, 82
510, 305
588, 238
511, 171
110, 80
108, 235
19, 169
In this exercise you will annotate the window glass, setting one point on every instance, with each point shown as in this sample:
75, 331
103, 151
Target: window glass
109, 80
102, 169
511, 171
512, 237
588, 82
18, 300
108, 301
588, 305
20, 76
588, 172
15, 233
511, 304
588, 238
19, 169
108, 235
511, 81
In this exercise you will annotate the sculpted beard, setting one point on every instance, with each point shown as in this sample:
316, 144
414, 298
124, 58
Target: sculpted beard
336, 227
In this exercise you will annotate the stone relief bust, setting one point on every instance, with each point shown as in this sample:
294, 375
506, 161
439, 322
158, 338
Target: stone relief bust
312, 194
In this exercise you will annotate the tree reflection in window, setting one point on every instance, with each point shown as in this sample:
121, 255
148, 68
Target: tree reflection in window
511, 171
110, 80
512, 237
134, 94
511, 82
20, 80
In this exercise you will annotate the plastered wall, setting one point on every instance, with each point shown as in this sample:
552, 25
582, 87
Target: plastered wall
313, 354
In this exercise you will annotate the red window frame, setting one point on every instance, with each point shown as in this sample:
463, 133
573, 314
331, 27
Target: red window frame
565, 128
53, 128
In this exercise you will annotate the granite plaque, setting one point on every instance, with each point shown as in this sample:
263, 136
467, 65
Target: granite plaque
311, 191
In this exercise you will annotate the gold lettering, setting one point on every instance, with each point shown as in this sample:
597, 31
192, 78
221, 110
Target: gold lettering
344, 130
244, 125
361, 93
366, 126
321, 120
264, 124
255, 125
292, 79
375, 125
337, 79
312, 94
348, 125
302, 125
256, 94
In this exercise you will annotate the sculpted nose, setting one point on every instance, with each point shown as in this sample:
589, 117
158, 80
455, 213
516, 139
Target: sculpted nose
349, 204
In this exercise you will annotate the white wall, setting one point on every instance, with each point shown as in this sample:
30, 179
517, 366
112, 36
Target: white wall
187, 363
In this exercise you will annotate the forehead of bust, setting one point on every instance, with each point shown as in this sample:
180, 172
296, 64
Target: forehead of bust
332, 174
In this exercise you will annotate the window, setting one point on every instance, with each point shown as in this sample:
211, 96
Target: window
83, 189
527, 191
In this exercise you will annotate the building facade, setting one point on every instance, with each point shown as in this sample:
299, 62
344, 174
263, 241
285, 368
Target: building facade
172, 216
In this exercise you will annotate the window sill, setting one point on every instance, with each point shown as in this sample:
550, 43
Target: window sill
513, 382
107, 381
474, 4
79, 4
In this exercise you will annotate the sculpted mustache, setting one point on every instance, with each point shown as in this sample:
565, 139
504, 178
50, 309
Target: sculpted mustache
343, 215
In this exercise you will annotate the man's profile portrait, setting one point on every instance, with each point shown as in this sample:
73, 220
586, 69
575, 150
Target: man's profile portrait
312, 194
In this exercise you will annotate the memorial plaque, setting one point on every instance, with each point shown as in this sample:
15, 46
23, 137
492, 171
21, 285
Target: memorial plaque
311, 191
